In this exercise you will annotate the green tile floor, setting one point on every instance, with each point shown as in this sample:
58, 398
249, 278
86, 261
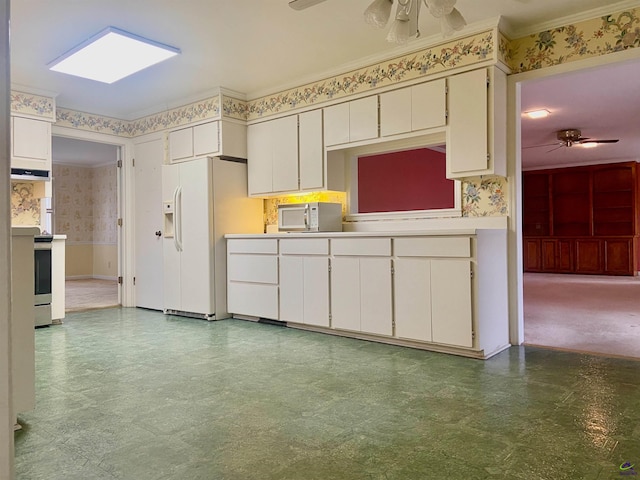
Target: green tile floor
133, 394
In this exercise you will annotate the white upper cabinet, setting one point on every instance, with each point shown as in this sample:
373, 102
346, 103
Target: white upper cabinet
193, 142
311, 150
272, 149
30, 144
284, 132
476, 137
413, 108
214, 138
352, 121
287, 155
259, 158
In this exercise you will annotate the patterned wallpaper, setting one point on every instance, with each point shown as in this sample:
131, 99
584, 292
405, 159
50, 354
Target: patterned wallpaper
35, 105
85, 205
485, 196
25, 206
599, 36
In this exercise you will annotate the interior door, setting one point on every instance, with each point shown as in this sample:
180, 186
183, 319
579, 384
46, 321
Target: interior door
148, 221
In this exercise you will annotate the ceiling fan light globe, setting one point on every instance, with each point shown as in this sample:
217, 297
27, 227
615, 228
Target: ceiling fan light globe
378, 13
399, 32
454, 21
439, 8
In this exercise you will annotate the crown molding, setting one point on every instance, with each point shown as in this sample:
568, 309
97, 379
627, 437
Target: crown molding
412, 46
513, 34
535, 168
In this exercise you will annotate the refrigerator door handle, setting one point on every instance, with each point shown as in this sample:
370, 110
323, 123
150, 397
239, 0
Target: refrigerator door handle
177, 202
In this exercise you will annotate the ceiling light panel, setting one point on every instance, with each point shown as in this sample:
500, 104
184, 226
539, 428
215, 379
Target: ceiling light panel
538, 113
111, 55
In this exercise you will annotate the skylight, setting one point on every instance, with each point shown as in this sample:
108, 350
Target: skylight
111, 55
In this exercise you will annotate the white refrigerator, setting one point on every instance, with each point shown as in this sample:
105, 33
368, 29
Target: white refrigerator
203, 200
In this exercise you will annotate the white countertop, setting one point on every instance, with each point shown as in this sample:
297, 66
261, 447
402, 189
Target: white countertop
430, 227
25, 231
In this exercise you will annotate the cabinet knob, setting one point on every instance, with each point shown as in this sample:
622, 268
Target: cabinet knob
158, 233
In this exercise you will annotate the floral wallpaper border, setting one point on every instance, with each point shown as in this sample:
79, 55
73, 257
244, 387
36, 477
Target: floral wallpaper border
461, 52
36, 105
608, 34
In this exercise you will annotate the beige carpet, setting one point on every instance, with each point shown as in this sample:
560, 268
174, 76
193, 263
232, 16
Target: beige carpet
598, 314
87, 294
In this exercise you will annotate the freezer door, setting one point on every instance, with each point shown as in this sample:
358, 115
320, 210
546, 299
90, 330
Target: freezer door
170, 253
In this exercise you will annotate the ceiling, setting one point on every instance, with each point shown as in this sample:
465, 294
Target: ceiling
602, 103
260, 47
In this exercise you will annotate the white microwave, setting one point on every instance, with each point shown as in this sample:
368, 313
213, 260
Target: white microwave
310, 217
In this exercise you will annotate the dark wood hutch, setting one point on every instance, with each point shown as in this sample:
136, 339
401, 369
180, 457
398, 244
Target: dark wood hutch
581, 220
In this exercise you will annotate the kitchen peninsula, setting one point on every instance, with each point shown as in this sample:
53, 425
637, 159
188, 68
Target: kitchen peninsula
441, 290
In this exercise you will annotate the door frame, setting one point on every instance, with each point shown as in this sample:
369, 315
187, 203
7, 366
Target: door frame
125, 204
514, 174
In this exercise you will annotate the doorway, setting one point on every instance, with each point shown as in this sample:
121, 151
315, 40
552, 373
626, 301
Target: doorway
588, 313
85, 208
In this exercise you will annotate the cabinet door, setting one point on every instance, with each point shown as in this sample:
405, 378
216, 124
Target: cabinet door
181, 144
376, 314
451, 309
395, 112
311, 150
345, 293
363, 119
618, 256
412, 290
565, 255
291, 289
532, 255
548, 255
31, 144
259, 154
428, 105
336, 124
206, 139
589, 256
467, 139
284, 132
316, 291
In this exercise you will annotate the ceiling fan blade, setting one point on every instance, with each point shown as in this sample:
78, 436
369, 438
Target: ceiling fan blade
545, 145
554, 149
302, 4
604, 141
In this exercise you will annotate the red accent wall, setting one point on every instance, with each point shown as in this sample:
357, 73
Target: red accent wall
401, 181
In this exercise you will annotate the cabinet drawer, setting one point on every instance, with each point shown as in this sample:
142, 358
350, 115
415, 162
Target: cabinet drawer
312, 246
248, 245
253, 268
433, 247
253, 299
361, 246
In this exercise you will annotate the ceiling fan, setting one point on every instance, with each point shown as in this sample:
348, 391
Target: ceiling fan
572, 136
405, 23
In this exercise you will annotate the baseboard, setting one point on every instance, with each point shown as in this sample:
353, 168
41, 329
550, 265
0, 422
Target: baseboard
104, 277
91, 277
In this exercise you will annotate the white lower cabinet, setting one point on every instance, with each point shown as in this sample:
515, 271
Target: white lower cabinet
361, 293
252, 277
432, 288
304, 290
442, 292
304, 281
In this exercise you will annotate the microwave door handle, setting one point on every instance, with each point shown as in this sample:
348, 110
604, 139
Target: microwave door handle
306, 217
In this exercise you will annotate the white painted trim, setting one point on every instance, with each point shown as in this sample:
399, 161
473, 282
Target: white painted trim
426, 225
125, 199
78, 277
514, 174
105, 277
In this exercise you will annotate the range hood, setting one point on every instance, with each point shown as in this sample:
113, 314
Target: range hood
30, 175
